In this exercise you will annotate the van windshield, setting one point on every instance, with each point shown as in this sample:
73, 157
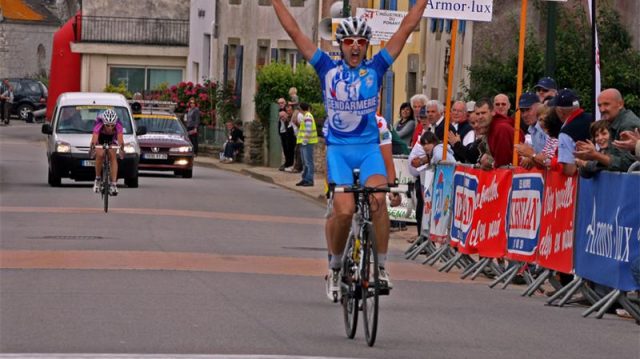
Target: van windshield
81, 119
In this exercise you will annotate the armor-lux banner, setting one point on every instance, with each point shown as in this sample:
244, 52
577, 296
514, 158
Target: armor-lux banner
426, 179
607, 241
441, 203
525, 211
465, 184
489, 226
555, 242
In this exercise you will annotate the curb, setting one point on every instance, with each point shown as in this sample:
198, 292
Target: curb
247, 170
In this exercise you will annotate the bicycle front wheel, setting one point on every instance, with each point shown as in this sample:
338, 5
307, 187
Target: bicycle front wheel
350, 293
105, 185
370, 283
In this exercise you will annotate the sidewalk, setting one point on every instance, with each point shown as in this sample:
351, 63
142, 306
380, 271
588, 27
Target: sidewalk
272, 175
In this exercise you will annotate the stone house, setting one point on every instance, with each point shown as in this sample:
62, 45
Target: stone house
26, 32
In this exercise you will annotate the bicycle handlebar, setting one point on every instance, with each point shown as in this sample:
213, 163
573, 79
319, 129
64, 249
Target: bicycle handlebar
106, 146
401, 188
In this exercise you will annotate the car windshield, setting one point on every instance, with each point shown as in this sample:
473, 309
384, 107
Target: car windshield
82, 118
160, 124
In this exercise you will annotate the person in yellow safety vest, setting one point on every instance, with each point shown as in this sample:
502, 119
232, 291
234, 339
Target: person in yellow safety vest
307, 138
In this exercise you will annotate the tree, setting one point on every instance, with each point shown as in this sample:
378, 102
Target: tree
619, 62
275, 80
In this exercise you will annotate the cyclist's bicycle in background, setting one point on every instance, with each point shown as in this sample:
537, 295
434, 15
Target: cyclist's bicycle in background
361, 285
104, 188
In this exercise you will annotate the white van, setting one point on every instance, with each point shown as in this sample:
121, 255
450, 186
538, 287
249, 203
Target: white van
69, 137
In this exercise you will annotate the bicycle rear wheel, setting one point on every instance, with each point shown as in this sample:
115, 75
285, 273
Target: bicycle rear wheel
105, 184
370, 283
350, 292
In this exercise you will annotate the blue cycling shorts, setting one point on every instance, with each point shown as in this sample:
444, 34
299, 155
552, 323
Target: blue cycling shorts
342, 159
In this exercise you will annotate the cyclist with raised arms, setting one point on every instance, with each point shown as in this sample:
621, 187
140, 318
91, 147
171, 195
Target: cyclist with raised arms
108, 129
350, 87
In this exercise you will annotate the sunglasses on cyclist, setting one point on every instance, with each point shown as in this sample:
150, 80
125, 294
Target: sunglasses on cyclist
109, 125
350, 41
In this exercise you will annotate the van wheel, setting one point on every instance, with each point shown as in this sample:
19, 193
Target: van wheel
131, 182
54, 181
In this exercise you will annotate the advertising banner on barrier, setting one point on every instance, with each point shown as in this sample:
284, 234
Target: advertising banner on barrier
489, 224
555, 243
525, 211
608, 229
426, 179
441, 200
405, 210
465, 184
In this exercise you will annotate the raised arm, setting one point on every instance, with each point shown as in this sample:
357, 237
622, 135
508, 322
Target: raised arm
304, 43
408, 24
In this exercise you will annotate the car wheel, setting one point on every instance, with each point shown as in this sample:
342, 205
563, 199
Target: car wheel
23, 111
131, 182
187, 173
54, 181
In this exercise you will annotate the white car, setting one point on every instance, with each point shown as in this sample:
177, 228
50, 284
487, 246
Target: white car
69, 137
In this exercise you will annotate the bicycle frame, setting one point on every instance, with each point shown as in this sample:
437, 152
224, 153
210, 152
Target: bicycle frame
360, 276
106, 175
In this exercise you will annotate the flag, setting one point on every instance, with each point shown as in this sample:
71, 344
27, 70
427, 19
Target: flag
597, 85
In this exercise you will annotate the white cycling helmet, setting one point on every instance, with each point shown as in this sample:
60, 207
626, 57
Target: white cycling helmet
109, 117
353, 26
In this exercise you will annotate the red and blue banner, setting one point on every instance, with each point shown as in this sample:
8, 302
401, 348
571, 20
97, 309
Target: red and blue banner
426, 180
525, 211
465, 184
555, 243
608, 230
488, 227
442, 199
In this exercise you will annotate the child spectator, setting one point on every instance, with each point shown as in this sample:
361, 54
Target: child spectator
601, 136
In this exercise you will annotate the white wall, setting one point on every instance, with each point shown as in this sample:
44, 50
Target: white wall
199, 52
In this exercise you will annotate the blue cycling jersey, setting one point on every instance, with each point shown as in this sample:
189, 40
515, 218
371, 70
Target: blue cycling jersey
351, 97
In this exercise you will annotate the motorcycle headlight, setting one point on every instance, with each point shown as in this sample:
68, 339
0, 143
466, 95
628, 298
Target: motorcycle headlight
129, 148
181, 149
63, 147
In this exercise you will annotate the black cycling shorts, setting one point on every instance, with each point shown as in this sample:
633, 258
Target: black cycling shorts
110, 139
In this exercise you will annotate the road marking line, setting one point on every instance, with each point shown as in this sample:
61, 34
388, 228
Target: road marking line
170, 213
160, 356
197, 262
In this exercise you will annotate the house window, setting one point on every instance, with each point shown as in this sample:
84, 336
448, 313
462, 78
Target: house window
235, 2
264, 2
138, 79
264, 50
295, 3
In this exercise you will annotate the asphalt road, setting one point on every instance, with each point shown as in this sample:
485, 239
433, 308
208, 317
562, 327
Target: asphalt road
228, 266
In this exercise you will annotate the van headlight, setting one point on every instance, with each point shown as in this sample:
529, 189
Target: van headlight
63, 147
181, 149
129, 148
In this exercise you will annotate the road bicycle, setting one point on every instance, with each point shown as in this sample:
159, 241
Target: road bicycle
360, 282
106, 175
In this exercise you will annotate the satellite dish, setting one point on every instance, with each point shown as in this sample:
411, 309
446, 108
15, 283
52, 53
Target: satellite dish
336, 9
325, 29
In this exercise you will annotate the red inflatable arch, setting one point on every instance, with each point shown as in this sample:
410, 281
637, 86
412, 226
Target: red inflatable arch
65, 65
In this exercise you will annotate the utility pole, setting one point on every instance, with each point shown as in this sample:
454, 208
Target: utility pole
346, 8
550, 53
